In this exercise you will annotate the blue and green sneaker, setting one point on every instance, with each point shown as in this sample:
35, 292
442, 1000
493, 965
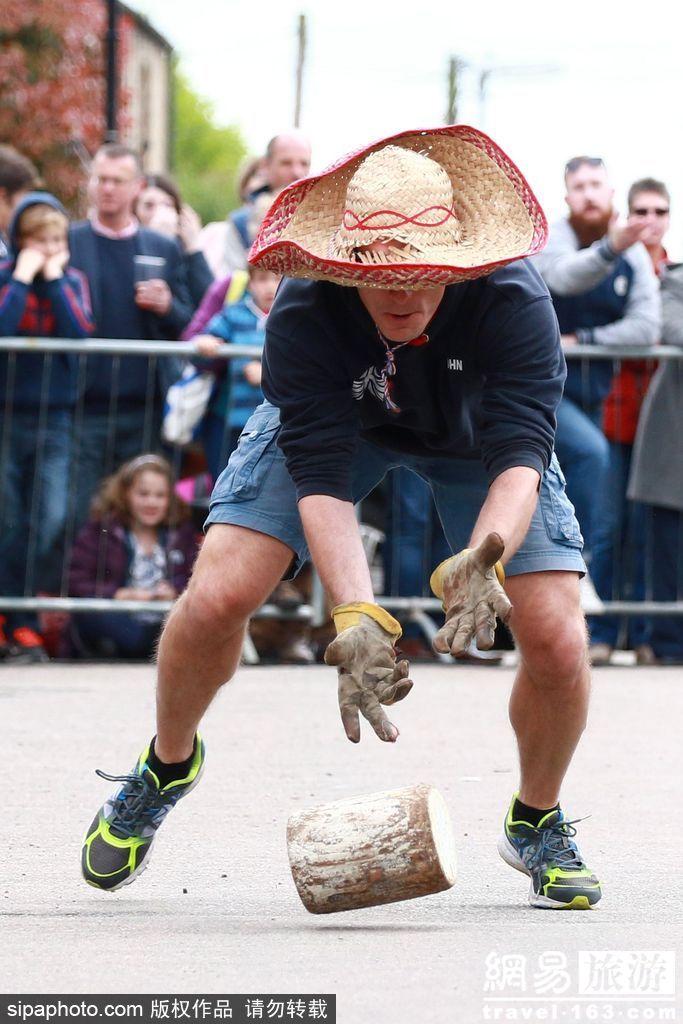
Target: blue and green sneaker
547, 853
117, 844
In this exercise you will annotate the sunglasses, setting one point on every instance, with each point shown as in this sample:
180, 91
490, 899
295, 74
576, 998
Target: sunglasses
642, 211
581, 161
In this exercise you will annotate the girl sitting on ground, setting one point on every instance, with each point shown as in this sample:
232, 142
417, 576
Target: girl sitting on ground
138, 545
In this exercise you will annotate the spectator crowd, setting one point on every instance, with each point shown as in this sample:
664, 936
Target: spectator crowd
96, 502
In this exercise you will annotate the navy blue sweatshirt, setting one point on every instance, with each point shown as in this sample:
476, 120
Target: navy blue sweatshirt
109, 265
486, 385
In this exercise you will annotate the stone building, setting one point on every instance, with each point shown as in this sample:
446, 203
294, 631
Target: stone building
146, 80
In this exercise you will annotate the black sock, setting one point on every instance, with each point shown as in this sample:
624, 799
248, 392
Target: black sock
534, 815
169, 772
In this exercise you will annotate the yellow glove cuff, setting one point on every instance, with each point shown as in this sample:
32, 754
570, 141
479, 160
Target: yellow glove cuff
346, 615
436, 579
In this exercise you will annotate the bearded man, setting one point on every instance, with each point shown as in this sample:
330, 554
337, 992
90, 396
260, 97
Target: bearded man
604, 291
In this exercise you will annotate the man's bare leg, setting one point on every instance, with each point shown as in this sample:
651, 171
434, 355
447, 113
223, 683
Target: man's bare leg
202, 641
200, 649
549, 701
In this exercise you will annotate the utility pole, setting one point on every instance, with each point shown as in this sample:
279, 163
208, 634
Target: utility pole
484, 74
301, 57
455, 66
508, 71
111, 48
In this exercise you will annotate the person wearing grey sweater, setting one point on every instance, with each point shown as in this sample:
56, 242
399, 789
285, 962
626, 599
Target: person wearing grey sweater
657, 474
570, 271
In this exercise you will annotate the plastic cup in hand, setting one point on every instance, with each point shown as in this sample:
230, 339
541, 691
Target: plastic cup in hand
148, 268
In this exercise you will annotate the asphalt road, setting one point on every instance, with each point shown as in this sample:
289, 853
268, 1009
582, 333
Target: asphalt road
217, 911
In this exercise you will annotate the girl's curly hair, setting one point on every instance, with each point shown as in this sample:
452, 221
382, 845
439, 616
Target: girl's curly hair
111, 500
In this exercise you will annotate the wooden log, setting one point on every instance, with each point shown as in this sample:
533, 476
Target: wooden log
373, 849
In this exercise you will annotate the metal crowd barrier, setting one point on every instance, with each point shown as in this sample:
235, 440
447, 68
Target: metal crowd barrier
53, 586
415, 607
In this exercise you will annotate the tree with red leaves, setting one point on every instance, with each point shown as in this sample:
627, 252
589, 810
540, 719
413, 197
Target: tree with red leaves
52, 82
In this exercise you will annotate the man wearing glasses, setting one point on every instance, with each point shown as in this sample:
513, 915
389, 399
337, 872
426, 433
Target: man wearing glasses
139, 291
648, 209
618, 566
605, 293
656, 479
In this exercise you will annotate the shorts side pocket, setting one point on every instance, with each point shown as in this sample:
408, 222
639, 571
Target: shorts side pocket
249, 463
558, 513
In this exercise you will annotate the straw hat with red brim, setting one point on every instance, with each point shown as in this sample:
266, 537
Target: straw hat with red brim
447, 203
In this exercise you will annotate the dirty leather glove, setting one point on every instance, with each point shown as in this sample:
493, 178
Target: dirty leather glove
470, 586
369, 675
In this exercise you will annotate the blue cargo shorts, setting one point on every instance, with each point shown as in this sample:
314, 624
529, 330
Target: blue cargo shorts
256, 491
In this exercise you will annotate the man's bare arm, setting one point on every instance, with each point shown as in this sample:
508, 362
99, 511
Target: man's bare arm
508, 508
335, 544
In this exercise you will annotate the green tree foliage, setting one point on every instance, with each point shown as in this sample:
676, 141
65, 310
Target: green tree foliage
206, 156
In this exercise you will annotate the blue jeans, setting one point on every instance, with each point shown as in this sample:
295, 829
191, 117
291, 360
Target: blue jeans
665, 533
583, 451
414, 536
35, 457
618, 562
256, 491
414, 541
117, 634
219, 440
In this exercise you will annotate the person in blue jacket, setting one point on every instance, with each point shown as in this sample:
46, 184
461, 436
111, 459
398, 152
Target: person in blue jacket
418, 337
40, 296
237, 391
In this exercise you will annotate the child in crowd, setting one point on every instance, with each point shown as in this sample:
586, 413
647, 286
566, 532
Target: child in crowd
138, 545
237, 391
40, 296
236, 394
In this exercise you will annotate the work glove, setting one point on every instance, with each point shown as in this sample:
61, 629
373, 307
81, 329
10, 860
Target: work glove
368, 672
470, 586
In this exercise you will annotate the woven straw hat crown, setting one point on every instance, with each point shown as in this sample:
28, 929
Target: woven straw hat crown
397, 195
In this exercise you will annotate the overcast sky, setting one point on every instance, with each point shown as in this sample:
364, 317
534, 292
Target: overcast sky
596, 77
